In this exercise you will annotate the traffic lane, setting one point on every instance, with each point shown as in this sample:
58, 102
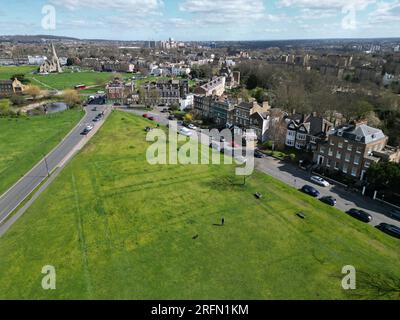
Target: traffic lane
15, 195
345, 200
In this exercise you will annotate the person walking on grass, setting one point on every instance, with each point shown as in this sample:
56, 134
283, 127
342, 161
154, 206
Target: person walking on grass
223, 222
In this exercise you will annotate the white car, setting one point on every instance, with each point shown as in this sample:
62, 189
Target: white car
319, 181
240, 160
192, 127
89, 127
185, 132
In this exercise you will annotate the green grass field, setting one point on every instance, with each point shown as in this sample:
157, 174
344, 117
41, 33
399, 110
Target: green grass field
6, 72
24, 141
115, 227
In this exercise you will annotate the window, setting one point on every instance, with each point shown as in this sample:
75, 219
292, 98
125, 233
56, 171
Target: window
357, 160
328, 163
332, 143
330, 152
354, 171
336, 165
338, 155
347, 158
345, 168
350, 147
358, 150
322, 150
367, 164
340, 145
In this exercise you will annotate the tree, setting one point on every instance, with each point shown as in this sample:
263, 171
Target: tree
252, 82
20, 77
33, 91
384, 176
17, 100
71, 97
188, 117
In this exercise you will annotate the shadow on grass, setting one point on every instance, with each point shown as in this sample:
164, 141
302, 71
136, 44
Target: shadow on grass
375, 287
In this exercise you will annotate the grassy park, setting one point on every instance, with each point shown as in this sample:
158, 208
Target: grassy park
24, 141
115, 227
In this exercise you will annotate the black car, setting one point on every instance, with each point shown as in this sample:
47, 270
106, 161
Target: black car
310, 191
259, 155
360, 215
395, 214
171, 118
390, 229
328, 200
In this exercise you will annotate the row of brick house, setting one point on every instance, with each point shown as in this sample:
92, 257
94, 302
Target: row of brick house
227, 112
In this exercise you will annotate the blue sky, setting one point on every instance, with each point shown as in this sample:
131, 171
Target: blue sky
205, 19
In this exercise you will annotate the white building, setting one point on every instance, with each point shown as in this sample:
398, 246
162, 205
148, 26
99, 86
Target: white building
187, 103
36, 60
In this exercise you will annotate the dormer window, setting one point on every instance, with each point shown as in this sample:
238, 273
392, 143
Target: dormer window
358, 138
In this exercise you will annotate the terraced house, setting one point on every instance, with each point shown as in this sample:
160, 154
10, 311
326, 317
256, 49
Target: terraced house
353, 148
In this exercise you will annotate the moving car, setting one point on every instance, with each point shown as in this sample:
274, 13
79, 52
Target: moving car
390, 229
185, 132
87, 129
360, 215
319, 181
310, 191
328, 200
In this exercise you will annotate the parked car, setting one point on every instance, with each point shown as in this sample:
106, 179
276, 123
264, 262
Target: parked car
310, 191
151, 118
240, 160
319, 181
185, 132
360, 215
328, 200
192, 127
171, 118
165, 110
395, 214
259, 155
145, 115
390, 229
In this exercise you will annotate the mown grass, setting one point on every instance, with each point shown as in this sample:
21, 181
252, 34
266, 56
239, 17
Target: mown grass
25, 140
116, 227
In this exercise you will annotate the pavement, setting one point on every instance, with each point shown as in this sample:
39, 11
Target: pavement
297, 178
55, 159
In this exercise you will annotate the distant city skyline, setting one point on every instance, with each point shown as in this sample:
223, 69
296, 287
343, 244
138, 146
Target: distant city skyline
204, 20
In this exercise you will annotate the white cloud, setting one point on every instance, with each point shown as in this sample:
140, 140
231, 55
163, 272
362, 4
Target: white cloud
137, 7
385, 12
223, 11
325, 4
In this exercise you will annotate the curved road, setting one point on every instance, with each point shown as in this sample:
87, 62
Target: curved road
13, 197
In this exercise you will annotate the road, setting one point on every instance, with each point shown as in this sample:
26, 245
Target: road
13, 197
297, 178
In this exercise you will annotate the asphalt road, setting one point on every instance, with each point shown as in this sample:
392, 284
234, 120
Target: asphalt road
19, 191
297, 178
